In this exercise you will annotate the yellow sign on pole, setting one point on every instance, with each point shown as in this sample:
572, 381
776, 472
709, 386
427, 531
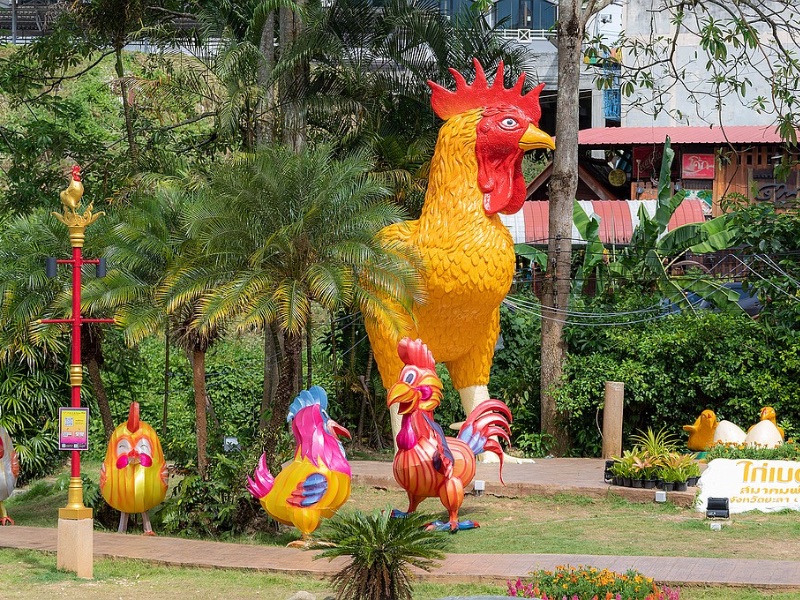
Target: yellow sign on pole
73, 428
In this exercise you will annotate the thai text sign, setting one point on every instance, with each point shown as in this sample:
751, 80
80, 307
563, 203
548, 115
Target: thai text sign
73, 428
765, 485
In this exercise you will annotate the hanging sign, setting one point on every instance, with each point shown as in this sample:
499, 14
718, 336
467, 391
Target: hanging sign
73, 428
697, 166
765, 485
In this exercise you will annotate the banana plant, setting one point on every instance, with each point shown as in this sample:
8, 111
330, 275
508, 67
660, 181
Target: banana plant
653, 250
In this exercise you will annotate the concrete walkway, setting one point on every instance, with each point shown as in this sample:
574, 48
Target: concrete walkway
544, 477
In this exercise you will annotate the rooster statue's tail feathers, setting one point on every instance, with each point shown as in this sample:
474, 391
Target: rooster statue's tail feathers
489, 419
262, 481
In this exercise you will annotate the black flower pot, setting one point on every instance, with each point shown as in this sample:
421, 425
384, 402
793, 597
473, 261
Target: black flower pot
680, 486
692, 481
669, 486
626, 481
649, 484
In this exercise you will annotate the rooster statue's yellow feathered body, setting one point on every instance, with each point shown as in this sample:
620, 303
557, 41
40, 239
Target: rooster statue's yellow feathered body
468, 252
317, 482
133, 476
429, 464
9, 472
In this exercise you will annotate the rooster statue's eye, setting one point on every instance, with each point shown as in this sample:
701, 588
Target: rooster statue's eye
409, 377
509, 123
123, 447
143, 447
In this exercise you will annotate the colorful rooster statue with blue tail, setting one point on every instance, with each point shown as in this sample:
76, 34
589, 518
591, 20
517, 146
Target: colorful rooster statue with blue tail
9, 472
428, 464
317, 482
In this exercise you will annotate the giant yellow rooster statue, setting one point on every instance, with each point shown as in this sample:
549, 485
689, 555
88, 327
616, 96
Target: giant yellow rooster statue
317, 482
133, 476
9, 471
429, 464
468, 252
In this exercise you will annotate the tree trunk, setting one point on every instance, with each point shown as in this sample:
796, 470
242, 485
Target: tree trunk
166, 381
126, 106
294, 122
100, 395
265, 110
309, 353
563, 186
201, 422
289, 370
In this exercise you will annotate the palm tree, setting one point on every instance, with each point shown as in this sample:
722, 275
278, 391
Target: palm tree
33, 357
382, 550
150, 247
279, 231
368, 68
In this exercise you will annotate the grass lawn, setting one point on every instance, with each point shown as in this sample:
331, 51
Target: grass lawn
32, 575
559, 525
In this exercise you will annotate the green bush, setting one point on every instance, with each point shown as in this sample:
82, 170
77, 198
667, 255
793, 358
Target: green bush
790, 450
674, 368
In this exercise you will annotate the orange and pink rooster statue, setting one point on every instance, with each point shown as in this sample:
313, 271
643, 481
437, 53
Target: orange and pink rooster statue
429, 464
317, 482
467, 251
133, 477
9, 471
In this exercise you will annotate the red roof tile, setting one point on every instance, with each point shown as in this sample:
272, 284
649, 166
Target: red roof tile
619, 136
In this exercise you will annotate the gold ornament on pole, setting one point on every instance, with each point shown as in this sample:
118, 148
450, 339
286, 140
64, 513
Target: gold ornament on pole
71, 202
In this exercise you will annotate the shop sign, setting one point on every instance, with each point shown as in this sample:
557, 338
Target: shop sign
697, 166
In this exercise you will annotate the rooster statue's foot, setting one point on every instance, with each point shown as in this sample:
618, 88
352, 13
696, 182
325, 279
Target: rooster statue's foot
299, 544
491, 457
398, 514
452, 526
6, 521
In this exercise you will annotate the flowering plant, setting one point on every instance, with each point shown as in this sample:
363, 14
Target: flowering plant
590, 583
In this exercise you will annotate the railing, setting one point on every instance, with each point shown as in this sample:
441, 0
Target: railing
526, 35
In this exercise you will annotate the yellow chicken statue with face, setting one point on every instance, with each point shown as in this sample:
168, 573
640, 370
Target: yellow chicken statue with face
133, 477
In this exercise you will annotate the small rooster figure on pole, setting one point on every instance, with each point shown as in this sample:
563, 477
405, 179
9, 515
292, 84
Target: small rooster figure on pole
427, 463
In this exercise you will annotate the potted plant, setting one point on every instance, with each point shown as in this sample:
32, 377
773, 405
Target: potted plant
622, 468
644, 468
674, 471
693, 474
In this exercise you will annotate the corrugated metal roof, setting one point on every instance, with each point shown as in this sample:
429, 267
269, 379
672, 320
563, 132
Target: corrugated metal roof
620, 136
618, 218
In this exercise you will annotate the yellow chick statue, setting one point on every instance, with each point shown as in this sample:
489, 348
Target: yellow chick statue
133, 477
701, 434
768, 414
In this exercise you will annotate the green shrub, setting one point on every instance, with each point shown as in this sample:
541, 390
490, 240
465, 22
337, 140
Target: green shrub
675, 367
789, 450
381, 550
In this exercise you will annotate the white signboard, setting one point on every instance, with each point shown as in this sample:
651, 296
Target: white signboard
765, 485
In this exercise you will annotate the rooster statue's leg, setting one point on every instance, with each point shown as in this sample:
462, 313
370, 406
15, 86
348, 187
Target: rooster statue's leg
123, 522
413, 503
4, 518
471, 397
148, 528
451, 493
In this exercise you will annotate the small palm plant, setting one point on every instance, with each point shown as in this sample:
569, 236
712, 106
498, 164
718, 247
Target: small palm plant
382, 550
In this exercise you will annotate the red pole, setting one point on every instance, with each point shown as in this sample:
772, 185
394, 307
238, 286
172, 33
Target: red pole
77, 264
